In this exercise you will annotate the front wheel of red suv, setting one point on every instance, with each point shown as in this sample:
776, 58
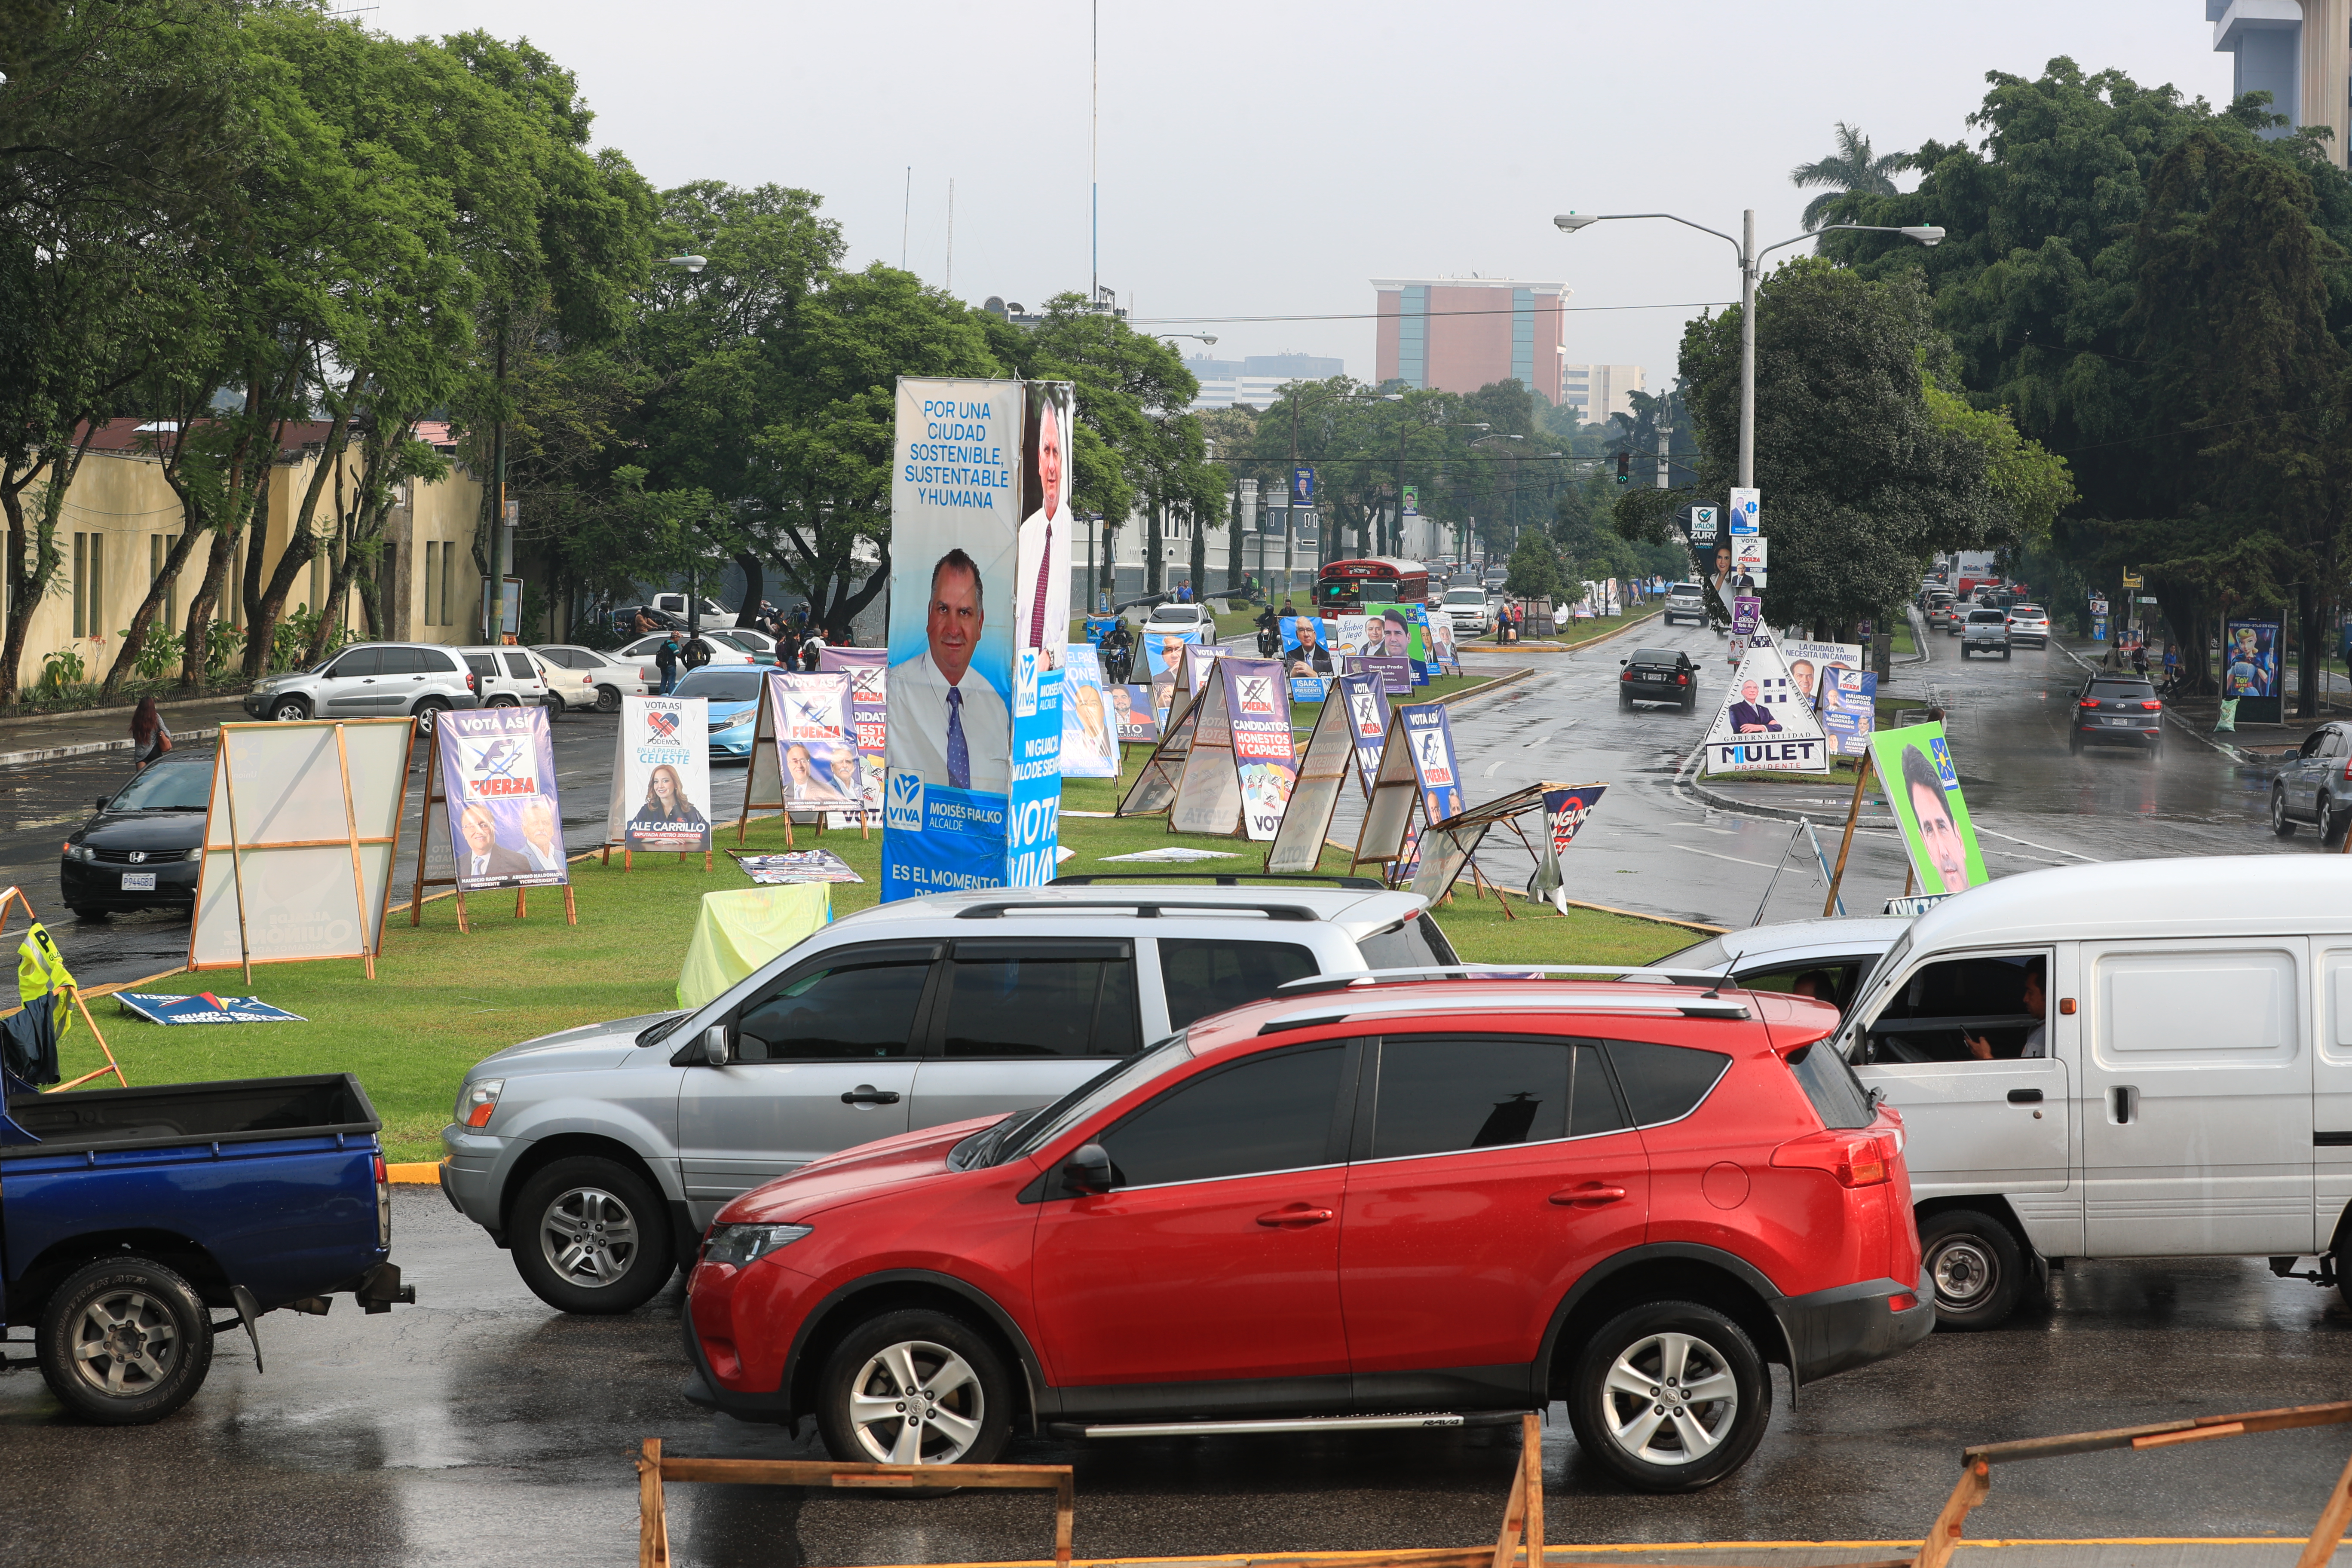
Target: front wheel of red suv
915, 1387
1671, 1396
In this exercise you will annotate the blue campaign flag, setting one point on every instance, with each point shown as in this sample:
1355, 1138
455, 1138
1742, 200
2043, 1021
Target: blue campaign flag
203, 1008
1302, 487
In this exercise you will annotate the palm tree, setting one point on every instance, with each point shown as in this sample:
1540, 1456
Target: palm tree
1849, 171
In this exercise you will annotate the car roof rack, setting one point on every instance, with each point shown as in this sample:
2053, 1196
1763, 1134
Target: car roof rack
1221, 878
1346, 980
1663, 999
1144, 908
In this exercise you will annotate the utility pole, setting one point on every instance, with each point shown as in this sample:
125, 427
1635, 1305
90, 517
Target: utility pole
1290, 485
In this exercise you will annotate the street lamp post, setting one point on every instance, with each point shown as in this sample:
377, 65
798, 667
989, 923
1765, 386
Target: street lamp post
1512, 512
692, 267
1926, 234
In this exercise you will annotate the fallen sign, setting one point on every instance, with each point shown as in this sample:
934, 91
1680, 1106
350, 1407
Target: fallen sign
203, 1008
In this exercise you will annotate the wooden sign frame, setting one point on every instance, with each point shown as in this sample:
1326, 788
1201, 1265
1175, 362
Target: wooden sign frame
1154, 789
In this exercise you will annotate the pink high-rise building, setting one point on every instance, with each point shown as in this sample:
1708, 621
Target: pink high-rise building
1458, 334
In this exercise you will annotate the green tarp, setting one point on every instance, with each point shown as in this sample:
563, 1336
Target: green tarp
736, 932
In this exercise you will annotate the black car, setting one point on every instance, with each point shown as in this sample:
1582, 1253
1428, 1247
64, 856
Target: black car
143, 849
2119, 710
1658, 675
2315, 786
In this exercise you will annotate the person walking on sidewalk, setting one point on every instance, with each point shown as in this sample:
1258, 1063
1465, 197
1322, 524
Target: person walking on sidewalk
150, 736
665, 660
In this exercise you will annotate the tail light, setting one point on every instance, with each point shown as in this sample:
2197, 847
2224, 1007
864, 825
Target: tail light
2088, 702
2152, 706
1627, 676
383, 1204
1852, 1159
473, 683
1682, 681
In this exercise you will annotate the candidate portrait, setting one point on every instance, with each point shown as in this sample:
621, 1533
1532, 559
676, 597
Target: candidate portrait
948, 726
1041, 569
1749, 716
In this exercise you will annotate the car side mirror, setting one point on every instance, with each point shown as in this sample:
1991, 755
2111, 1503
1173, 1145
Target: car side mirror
714, 1045
99, 804
1625, 661
1086, 1172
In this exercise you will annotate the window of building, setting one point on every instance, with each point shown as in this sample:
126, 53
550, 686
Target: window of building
432, 583
1413, 335
318, 576
89, 584
449, 584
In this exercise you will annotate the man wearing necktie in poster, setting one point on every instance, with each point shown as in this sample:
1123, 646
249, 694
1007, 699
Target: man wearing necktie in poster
1041, 568
948, 725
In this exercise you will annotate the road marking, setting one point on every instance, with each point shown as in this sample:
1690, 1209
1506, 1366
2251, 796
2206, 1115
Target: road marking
1711, 855
2047, 848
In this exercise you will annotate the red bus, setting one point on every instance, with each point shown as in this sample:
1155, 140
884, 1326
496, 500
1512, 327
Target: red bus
1378, 579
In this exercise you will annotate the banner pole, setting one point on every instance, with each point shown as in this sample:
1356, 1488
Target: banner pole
424, 822
1861, 779
352, 831
235, 861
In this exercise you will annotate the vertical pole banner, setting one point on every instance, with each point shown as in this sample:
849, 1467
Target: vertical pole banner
869, 682
661, 775
1849, 709
957, 617
498, 772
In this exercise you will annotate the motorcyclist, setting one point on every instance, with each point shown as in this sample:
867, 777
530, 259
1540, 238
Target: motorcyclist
1269, 633
1117, 654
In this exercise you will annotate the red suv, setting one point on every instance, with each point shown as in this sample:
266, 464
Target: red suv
1455, 1199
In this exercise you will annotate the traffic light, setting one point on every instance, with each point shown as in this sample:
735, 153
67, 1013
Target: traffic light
1625, 467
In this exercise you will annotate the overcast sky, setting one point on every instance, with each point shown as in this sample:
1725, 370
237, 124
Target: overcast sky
1267, 160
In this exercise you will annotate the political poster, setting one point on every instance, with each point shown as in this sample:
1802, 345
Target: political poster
980, 531
1429, 738
1443, 653
1397, 631
1325, 766
1258, 710
1307, 655
1747, 559
498, 769
1763, 725
1849, 709
816, 742
1366, 700
1564, 812
1199, 661
1915, 764
869, 710
1811, 662
1131, 709
1090, 736
1395, 675
1746, 610
203, 1008
1745, 512
1163, 662
1353, 636
661, 775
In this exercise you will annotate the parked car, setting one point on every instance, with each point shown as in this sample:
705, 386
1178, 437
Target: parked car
1460, 1198
133, 1215
144, 846
607, 676
2124, 711
1686, 601
916, 1013
2315, 785
2129, 1060
1985, 631
643, 649
1466, 607
713, 612
763, 647
731, 695
370, 680
1657, 675
512, 677
2029, 622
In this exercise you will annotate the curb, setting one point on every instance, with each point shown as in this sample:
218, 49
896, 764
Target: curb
18, 721
2227, 750
418, 1171
1500, 681
92, 748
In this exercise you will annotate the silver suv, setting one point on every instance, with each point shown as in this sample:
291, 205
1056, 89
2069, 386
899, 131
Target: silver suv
1686, 599
371, 680
1985, 631
597, 1155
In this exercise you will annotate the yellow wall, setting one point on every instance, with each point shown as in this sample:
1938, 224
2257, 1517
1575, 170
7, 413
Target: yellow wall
120, 507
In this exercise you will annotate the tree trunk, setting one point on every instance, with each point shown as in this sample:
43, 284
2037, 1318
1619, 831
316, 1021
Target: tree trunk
1233, 544
2307, 663
134, 638
26, 587
194, 666
755, 586
1152, 577
1199, 565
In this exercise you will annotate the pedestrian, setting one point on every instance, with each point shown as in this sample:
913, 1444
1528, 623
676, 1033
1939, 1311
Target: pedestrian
665, 660
150, 736
811, 650
697, 653
642, 625
2139, 662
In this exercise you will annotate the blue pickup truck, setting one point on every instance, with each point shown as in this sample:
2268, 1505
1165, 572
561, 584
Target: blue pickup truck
129, 1217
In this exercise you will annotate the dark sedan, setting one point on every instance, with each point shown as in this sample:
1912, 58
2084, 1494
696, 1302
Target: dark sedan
2119, 710
1657, 675
143, 849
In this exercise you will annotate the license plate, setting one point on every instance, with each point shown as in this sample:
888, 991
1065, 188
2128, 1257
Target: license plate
2126, 722
138, 881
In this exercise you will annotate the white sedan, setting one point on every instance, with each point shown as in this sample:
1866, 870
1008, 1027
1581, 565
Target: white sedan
642, 650
1173, 618
588, 679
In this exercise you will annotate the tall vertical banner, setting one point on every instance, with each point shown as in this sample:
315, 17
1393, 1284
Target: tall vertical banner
1366, 699
816, 740
1089, 729
1258, 706
661, 775
1811, 662
1849, 710
498, 769
1429, 736
869, 710
980, 547
1915, 765
1323, 768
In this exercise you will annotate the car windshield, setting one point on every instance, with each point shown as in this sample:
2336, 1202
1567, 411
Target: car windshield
1176, 613
1091, 1096
173, 786
739, 684
1465, 595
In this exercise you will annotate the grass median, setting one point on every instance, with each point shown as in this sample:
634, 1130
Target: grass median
444, 999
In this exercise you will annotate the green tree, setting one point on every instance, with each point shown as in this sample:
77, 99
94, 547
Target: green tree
1851, 170
1533, 571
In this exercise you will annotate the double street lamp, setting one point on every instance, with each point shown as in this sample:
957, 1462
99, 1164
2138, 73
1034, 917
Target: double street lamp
1748, 256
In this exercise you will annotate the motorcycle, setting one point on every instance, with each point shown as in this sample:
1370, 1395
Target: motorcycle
1118, 659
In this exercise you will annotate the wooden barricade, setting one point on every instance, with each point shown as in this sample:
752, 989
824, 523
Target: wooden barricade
73, 993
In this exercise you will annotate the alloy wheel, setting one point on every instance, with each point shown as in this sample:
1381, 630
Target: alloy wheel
588, 1236
917, 1402
125, 1344
1671, 1399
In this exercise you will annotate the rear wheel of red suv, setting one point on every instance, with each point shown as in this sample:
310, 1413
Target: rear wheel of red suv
915, 1387
1671, 1396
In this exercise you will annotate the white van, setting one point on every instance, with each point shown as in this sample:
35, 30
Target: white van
2146, 1059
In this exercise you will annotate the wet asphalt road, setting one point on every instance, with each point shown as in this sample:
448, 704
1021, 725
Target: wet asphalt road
481, 1428
41, 802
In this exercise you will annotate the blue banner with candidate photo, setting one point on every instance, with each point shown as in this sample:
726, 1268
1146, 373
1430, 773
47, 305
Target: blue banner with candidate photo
498, 778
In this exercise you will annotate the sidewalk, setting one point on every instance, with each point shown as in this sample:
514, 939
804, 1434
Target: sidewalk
50, 737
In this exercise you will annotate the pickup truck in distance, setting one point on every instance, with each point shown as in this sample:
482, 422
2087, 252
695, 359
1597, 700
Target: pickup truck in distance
128, 1216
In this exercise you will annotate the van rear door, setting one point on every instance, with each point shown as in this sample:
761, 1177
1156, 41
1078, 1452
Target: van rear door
2196, 1098
2331, 1100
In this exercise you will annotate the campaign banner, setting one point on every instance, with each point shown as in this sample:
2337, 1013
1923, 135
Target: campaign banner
1429, 741
981, 531
1368, 719
816, 742
1089, 740
1745, 512
1811, 662
1849, 709
869, 709
1915, 765
1131, 709
203, 1008
1442, 655
1353, 635
1258, 710
1305, 646
661, 775
796, 867
1200, 659
1398, 632
1163, 661
1763, 725
2250, 662
498, 769
1564, 811
1746, 611
1395, 675
1747, 559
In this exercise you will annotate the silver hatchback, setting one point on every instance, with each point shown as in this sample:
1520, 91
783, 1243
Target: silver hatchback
371, 680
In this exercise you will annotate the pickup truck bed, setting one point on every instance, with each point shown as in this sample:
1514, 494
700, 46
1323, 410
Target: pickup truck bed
127, 1215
